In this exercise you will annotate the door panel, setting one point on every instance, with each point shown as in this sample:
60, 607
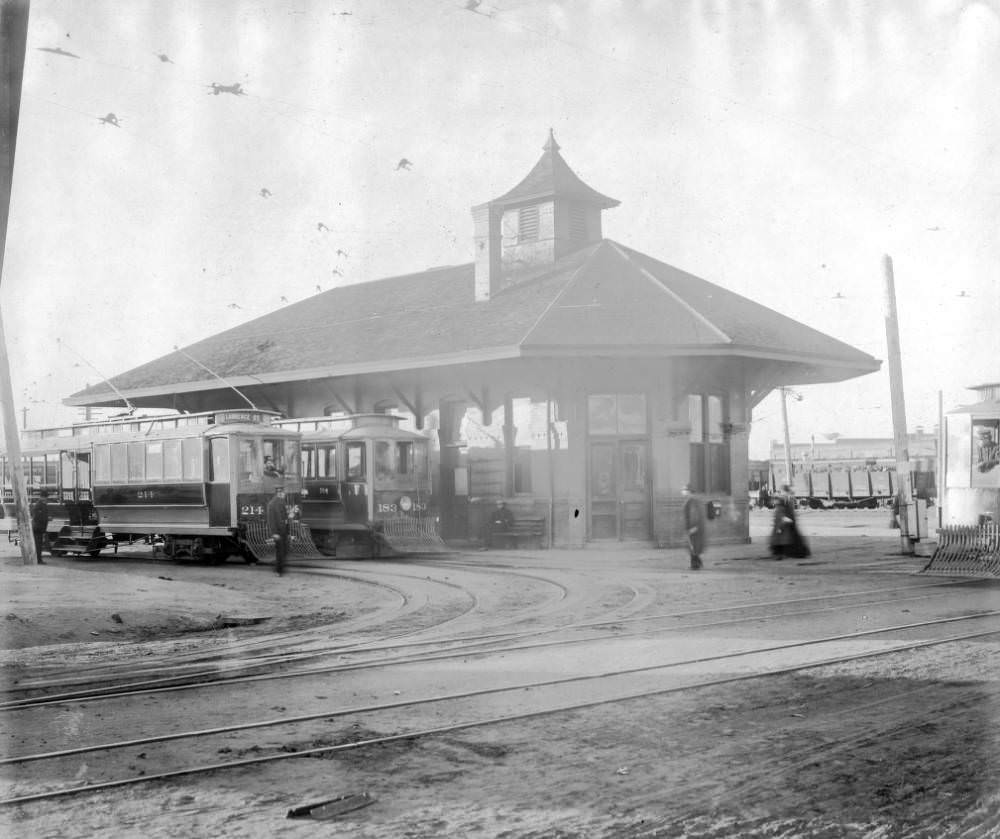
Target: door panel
619, 490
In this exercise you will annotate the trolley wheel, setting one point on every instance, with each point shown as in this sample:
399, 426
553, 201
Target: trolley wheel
94, 552
57, 552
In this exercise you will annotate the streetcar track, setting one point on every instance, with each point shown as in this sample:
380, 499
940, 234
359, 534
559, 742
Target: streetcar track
473, 645
497, 720
522, 686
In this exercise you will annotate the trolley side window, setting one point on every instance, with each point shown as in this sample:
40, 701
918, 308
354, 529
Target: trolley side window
137, 462
83, 471
191, 453
102, 463
220, 460
171, 460
355, 461
119, 468
154, 460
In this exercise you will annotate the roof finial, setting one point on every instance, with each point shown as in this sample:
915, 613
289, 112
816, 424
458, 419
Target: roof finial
551, 144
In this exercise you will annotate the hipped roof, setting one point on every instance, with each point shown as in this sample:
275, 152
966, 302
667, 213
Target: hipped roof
606, 299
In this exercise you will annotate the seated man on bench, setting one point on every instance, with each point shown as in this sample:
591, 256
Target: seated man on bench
501, 522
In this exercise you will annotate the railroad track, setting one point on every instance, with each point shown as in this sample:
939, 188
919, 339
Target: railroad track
410, 649
508, 703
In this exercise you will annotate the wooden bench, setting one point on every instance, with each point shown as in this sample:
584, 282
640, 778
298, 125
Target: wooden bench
524, 529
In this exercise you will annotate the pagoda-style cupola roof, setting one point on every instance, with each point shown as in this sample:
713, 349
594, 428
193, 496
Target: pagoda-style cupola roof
552, 178
549, 214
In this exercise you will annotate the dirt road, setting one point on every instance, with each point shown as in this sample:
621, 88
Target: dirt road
905, 744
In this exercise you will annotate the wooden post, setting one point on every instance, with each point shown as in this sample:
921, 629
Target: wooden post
788, 444
13, 446
905, 494
13, 36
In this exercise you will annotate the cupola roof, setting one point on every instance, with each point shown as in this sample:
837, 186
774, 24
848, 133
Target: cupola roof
551, 177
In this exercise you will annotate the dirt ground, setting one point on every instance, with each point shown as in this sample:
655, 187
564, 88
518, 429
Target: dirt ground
904, 746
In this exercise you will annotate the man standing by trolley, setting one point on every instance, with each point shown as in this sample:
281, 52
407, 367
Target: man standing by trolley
40, 522
277, 524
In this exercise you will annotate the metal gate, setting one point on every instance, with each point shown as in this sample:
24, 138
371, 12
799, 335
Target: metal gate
967, 552
300, 543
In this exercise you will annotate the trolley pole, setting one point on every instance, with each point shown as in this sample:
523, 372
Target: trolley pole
905, 490
788, 444
14, 36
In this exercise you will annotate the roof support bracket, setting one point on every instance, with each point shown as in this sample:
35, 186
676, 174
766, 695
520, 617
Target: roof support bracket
482, 401
415, 406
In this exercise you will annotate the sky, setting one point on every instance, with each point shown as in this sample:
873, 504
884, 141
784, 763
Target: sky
777, 148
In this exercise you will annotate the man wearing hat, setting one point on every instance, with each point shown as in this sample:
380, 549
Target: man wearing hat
694, 526
277, 524
40, 522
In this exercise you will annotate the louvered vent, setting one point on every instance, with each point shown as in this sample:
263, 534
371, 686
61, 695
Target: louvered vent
578, 223
527, 224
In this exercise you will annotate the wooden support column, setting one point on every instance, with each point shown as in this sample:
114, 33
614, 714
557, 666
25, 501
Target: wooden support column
509, 436
449, 428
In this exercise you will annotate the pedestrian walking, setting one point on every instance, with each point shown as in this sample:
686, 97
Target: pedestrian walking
694, 526
277, 523
785, 539
40, 522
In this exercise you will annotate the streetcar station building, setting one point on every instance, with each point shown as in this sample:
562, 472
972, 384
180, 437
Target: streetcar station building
581, 380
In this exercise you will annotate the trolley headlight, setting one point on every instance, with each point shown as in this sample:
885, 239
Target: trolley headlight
406, 503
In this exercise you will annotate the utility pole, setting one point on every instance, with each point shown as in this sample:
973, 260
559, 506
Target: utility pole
788, 444
13, 36
904, 492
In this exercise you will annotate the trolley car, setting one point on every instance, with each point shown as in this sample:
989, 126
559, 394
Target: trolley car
366, 487
59, 465
198, 482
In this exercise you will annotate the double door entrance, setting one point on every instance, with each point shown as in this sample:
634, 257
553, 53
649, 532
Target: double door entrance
619, 489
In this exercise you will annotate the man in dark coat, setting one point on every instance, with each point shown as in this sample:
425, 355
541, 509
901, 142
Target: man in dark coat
40, 522
694, 526
277, 525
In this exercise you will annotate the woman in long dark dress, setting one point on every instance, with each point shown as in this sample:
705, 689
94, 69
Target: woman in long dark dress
785, 537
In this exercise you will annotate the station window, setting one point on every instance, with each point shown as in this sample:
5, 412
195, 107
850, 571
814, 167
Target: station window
709, 449
617, 413
522, 470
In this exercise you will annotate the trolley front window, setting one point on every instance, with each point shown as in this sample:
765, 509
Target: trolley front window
355, 461
220, 460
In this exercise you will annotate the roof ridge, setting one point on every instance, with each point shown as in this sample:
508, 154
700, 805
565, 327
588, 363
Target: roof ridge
622, 251
551, 304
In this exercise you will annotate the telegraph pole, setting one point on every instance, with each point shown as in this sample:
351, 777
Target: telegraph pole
788, 444
904, 492
13, 36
